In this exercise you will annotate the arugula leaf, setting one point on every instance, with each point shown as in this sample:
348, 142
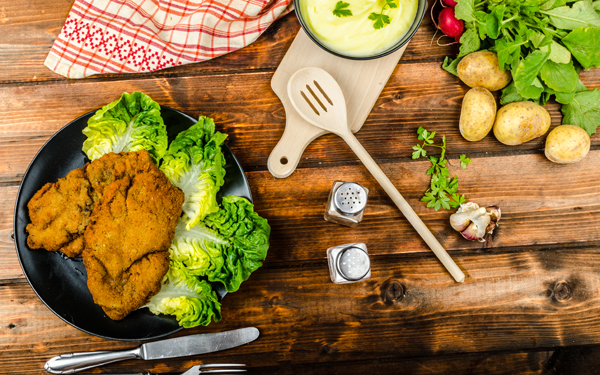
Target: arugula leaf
340, 10
559, 54
559, 77
506, 50
470, 42
551, 4
584, 44
582, 14
450, 65
583, 111
465, 10
526, 75
510, 95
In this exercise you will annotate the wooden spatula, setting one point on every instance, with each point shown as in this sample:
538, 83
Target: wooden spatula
318, 98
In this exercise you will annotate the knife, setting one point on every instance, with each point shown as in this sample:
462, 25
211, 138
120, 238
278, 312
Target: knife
171, 348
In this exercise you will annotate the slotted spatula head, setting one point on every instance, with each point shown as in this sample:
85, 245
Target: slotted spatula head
319, 99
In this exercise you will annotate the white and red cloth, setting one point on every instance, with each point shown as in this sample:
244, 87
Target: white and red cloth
132, 36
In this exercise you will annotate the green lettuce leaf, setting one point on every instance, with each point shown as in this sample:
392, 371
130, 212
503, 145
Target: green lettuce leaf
191, 300
195, 164
131, 123
227, 246
248, 236
199, 249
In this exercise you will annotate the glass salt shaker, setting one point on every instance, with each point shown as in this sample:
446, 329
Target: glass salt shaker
346, 203
349, 263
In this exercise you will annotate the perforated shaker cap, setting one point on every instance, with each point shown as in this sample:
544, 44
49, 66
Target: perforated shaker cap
353, 263
350, 198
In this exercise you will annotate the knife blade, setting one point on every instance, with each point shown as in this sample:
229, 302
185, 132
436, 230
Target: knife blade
177, 347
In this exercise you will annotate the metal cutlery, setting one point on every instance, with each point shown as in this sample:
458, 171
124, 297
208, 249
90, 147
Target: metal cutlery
198, 369
171, 348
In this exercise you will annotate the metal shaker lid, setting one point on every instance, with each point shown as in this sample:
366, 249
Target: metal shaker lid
350, 198
353, 263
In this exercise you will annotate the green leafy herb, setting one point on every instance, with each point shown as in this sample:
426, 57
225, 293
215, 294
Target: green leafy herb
380, 18
584, 44
443, 189
582, 14
464, 161
543, 43
585, 107
340, 10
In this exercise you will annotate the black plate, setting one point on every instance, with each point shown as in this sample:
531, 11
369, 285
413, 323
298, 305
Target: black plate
60, 282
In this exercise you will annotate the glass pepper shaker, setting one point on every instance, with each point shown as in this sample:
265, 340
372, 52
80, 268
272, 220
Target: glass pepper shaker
349, 263
346, 203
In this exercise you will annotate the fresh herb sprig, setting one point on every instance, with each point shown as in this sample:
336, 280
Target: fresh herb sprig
379, 19
340, 9
443, 189
382, 19
544, 44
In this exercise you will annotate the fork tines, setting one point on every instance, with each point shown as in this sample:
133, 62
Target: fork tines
199, 369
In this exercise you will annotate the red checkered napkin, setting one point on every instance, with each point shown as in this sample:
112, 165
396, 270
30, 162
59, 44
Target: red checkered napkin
131, 36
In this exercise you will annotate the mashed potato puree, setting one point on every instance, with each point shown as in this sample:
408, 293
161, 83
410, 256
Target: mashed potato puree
355, 35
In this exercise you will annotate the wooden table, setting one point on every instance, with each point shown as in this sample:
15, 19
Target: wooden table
531, 300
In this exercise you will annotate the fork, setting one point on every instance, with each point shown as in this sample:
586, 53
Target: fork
198, 369
195, 370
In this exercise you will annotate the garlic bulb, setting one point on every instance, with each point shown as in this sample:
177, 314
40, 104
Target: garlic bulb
474, 222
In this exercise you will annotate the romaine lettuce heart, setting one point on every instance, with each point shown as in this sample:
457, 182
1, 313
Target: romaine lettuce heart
131, 123
191, 300
195, 163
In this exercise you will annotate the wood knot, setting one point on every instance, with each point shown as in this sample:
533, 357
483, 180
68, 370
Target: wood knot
12, 235
394, 292
398, 96
562, 291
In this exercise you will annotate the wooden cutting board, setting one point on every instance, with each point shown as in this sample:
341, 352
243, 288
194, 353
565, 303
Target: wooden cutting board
361, 82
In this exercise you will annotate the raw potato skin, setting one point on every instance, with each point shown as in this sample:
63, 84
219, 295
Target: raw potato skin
567, 144
477, 114
521, 122
481, 69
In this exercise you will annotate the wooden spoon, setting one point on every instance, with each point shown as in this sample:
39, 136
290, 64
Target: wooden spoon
319, 100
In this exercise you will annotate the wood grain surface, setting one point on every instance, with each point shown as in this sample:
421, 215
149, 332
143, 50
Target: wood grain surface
531, 299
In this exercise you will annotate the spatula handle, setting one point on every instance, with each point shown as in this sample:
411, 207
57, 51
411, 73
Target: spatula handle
404, 207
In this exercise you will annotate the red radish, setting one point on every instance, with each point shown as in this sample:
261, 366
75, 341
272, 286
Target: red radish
450, 3
449, 24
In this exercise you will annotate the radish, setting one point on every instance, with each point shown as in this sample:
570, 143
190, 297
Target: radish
450, 3
449, 24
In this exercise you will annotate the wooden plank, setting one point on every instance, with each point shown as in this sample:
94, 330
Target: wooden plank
417, 95
9, 267
543, 204
30, 27
516, 300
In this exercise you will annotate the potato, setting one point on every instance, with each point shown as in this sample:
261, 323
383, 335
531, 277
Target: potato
481, 69
477, 114
521, 122
567, 144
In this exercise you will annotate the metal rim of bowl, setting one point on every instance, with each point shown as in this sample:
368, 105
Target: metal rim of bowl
417, 21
